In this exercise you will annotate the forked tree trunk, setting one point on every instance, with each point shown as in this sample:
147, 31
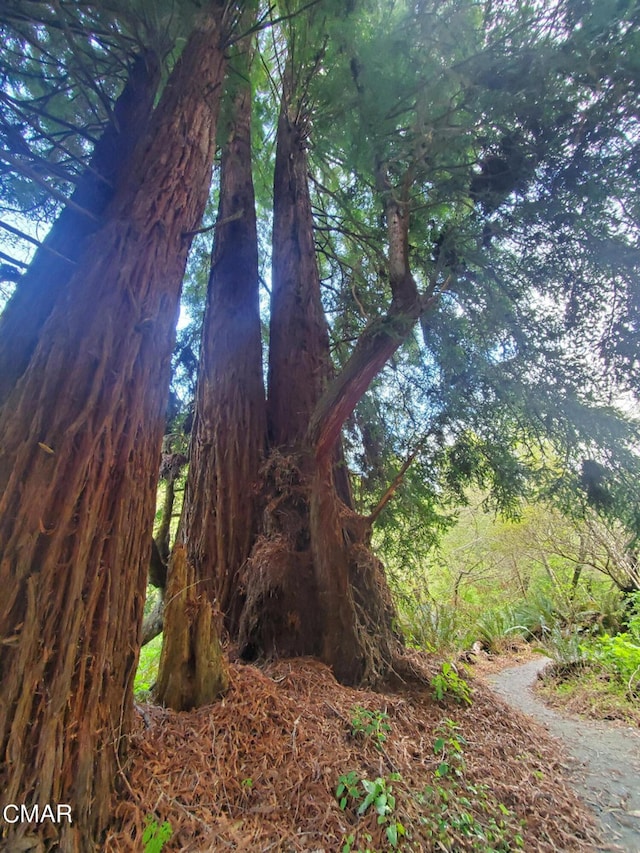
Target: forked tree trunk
313, 585
55, 262
220, 510
359, 639
281, 615
80, 439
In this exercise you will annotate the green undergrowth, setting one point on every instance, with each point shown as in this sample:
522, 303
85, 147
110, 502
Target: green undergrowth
449, 682
597, 674
147, 671
450, 812
155, 835
591, 633
370, 724
589, 692
442, 626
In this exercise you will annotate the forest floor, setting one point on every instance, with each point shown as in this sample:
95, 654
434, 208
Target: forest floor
258, 771
603, 764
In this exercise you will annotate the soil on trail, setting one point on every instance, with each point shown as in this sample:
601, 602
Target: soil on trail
603, 759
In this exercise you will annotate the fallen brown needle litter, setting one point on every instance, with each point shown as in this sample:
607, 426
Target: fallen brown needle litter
258, 770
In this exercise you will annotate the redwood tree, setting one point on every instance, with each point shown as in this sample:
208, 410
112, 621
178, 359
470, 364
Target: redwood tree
220, 510
313, 584
424, 162
80, 438
53, 265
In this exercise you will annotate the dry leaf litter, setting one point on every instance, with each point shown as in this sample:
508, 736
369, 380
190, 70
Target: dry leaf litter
258, 771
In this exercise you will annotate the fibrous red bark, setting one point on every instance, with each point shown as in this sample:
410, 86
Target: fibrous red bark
220, 511
228, 437
313, 585
55, 262
80, 439
299, 363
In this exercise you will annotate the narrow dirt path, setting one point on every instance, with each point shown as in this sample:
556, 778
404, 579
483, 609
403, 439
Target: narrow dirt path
604, 766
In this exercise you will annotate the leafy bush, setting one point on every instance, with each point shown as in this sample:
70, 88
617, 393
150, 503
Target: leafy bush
620, 656
448, 681
428, 625
633, 619
497, 624
565, 648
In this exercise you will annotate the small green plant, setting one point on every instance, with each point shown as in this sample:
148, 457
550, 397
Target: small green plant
350, 840
448, 747
348, 788
454, 812
155, 835
370, 724
367, 794
451, 803
449, 682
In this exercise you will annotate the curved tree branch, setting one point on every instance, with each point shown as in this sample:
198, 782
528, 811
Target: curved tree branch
380, 339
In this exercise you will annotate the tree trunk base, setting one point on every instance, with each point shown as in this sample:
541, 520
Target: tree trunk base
312, 586
280, 617
193, 671
374, 616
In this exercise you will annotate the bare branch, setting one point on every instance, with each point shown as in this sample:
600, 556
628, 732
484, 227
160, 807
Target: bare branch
13, 260
18, 233
37, 179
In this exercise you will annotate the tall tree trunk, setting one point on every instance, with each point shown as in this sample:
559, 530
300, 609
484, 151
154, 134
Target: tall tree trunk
313, 586
220, 510
229, 432
281, 615
170, 468
299, 362
80, 439
55, 262
359, 638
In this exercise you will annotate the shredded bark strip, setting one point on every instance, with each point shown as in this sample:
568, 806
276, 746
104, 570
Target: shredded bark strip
258, 770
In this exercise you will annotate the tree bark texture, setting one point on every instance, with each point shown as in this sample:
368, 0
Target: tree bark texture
170, 468
80, 439
192, 671
228, 437
299, 363
220, 510
313, 587
360, 642
55, 262
153, 622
